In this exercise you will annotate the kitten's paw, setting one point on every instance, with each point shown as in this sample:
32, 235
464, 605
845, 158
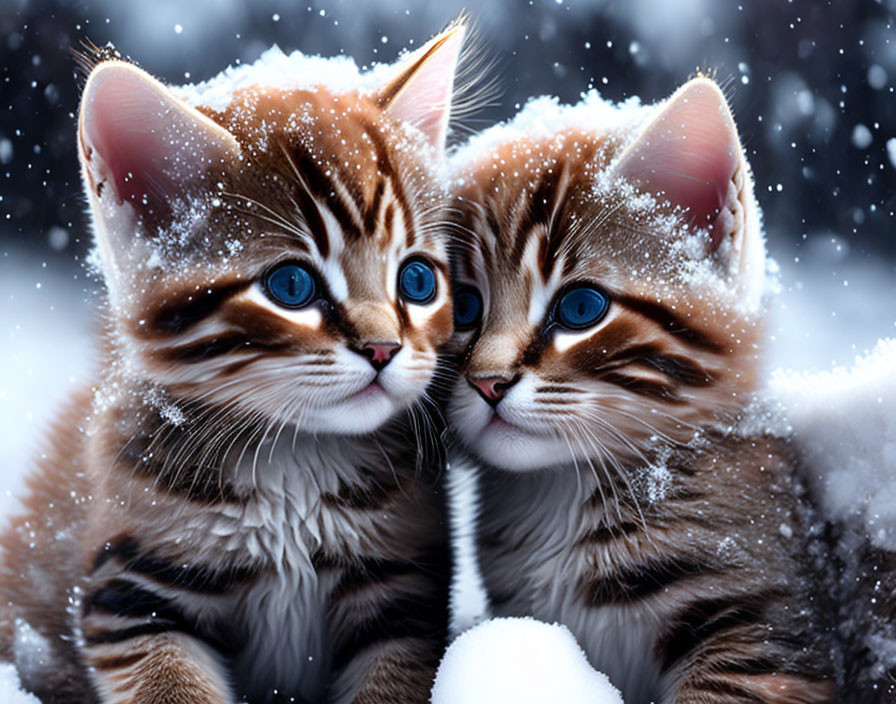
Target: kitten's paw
166, 668
519, 660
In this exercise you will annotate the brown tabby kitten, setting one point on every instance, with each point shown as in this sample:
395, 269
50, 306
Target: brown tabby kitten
611, 298
241, 511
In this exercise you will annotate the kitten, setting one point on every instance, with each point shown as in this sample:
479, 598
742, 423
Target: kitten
609, 311
242, 510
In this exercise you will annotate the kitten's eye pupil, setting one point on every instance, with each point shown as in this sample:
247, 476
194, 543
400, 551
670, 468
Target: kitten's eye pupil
582, 307
290, 285
467, 309
417, 281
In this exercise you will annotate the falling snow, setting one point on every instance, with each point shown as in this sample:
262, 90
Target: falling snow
821, 137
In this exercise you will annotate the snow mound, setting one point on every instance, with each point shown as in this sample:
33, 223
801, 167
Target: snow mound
519, 661
843, 425
10, 689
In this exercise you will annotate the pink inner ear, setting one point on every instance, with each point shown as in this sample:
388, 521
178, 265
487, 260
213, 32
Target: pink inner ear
425, 100
146, 144
123, 129
689, 155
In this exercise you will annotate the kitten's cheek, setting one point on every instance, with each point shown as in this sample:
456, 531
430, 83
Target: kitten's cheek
433, 323
405, 379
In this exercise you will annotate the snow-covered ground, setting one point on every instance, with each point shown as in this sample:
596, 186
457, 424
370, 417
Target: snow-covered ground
834, 306
45, 353
843, 423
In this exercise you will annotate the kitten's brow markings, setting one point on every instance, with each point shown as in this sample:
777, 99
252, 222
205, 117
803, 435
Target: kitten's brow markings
386, 170
298, 229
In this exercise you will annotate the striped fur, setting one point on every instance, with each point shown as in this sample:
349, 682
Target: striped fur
248, 509
615, 495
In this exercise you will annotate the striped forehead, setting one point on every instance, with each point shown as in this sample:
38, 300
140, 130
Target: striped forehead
543, 281
536, 233
351, 213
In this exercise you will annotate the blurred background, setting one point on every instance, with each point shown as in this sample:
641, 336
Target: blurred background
811, 84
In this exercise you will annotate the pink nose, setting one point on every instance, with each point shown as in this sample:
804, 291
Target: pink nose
493, 388
379, 354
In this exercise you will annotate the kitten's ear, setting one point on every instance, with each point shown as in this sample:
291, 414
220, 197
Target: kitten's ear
690, 155
142, 142
421, 92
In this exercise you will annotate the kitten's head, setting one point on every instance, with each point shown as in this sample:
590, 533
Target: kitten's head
272, 243
610, 295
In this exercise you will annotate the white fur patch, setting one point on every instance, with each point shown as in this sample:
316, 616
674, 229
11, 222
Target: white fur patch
420, 314
331, 268
309, 317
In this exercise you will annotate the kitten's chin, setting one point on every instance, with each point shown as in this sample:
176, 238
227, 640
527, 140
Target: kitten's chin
360, 413
505, 445
505, 439
508, 447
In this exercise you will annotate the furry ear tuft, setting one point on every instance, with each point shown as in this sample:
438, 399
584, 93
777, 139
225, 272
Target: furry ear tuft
89, 56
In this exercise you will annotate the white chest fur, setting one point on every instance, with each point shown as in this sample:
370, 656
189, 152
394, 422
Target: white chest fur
283, 614
287, 647
618, 642
542, 519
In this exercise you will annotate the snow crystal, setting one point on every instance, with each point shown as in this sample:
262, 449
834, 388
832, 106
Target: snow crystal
861, 136
519, 660
843, 423
877, 76
11, 689
658, 478
884, 649
58, 238
891, 150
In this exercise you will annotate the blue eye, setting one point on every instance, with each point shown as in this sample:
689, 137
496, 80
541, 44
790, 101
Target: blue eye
417, 281
581, 308
290, 285
467, 309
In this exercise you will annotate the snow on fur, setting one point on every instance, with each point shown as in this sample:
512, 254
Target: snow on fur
519, 660
278, 71
741, 283
545, 116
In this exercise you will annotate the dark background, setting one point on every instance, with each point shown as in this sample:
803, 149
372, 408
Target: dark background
811, 82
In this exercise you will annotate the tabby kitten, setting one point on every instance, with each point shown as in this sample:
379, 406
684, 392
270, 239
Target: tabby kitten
610, 313
241, 511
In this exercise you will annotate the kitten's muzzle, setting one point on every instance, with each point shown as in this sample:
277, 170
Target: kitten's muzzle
493, 388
